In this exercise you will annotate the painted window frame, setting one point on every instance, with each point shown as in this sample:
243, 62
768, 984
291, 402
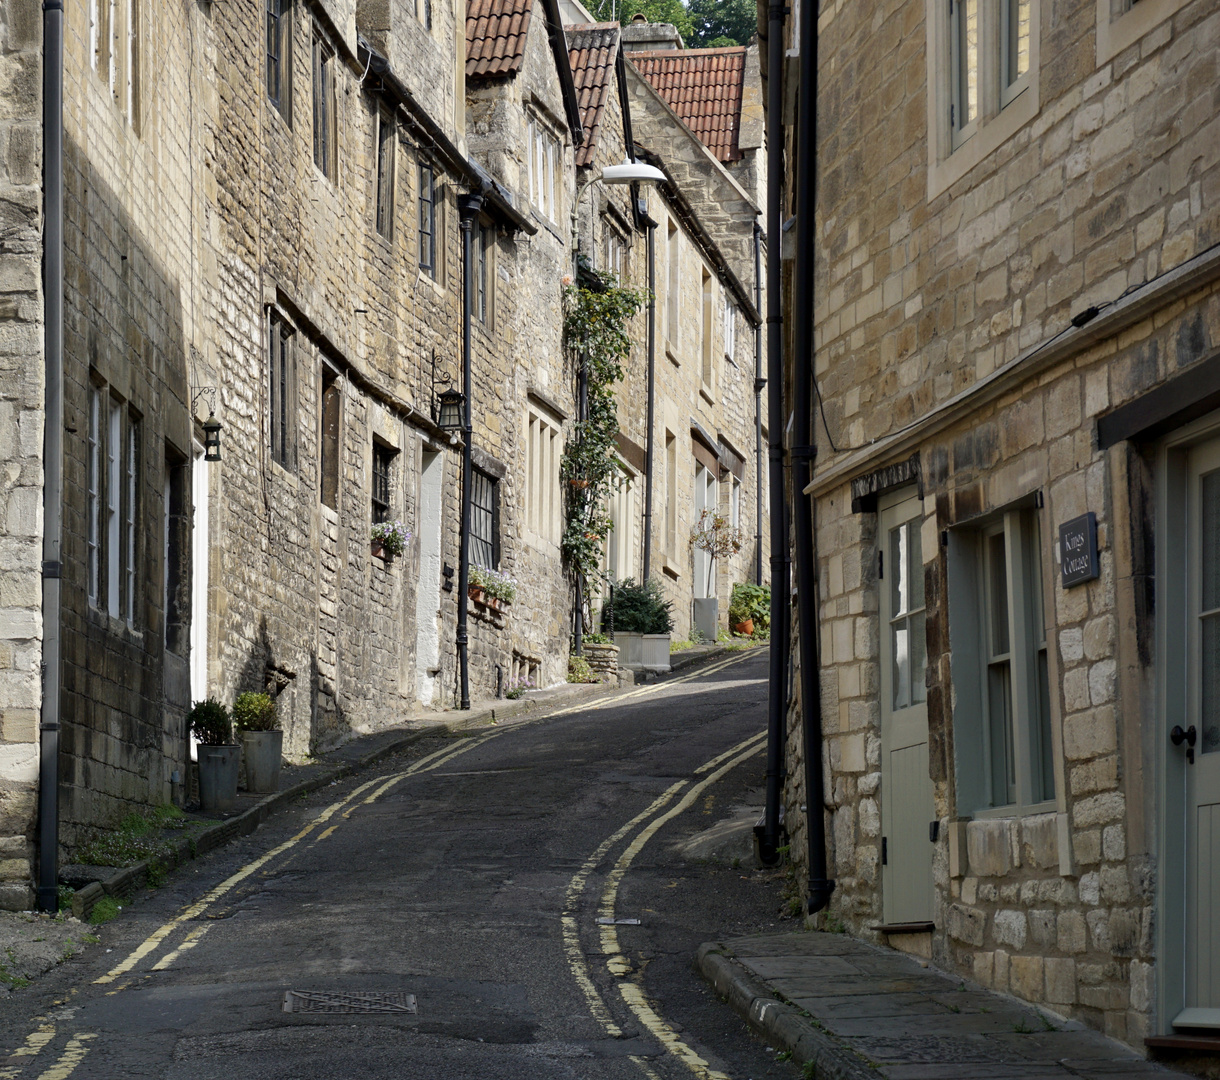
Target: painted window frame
544, 457
114, 447
1028, 758
428, 219
955, 149
115, 51
1121, 23
325, 104
544, 153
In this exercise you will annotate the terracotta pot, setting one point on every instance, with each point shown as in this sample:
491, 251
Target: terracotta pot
476, 594
377, 548
746, 628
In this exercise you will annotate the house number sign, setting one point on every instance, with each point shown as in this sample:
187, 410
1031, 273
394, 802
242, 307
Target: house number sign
1078, 550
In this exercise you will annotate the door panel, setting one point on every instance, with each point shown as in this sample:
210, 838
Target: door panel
906, 790
1202, 824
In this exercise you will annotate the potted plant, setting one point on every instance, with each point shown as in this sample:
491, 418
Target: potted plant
491, 587
642, 620
714, 534
749, 608
254, 716
219, 756
389, 538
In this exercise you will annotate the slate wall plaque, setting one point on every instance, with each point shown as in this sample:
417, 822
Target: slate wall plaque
1078, 550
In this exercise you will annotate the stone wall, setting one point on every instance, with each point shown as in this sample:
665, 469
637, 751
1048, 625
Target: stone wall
1111, 185
21, 434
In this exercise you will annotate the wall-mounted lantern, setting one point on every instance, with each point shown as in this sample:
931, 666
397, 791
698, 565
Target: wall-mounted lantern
211, 426
449, 409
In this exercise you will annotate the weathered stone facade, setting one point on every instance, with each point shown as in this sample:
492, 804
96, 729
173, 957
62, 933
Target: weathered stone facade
947, 282
21, 433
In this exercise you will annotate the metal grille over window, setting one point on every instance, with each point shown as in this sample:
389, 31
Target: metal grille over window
383, 465
483, 541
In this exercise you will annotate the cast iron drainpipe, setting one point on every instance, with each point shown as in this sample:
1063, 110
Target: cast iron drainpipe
52, 449
803, 453
651, 409
468, 210
777, 686
759, 384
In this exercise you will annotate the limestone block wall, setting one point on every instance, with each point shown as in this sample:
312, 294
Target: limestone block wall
1112, 183
21, 434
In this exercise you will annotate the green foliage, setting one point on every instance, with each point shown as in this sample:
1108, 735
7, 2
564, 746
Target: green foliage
8, 972
639, 609
255, 712
495, 584
104, 910
597, 639
209, 723
658, 11
596, 314
716, 23
579, 670
751, 602
66, 892
139, 837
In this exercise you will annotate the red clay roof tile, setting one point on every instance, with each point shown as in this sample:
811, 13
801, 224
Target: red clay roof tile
495, 36
703, 86
591, 51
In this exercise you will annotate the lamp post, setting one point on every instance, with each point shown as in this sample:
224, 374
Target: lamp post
629, 172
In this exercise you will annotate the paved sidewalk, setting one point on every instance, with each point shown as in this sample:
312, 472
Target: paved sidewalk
859, 1012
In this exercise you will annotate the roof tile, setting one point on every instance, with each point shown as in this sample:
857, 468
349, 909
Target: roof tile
703, 86
495, 36
592, 48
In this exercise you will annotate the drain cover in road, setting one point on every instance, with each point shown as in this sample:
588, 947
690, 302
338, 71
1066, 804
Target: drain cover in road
344, 1001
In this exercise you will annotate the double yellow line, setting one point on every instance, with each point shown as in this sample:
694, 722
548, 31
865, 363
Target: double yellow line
644, 826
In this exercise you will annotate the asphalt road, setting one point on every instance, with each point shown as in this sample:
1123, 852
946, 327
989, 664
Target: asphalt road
486, 881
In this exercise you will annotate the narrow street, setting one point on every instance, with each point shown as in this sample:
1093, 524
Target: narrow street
490, 881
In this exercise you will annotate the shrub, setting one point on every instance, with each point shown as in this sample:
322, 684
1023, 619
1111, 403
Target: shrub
639, 609
255, 712
597, 639
210, 724
750, 602
579, 670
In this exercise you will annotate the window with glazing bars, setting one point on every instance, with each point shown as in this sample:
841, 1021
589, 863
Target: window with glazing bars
324, 126
282, 382
385, 174
427, 220
112, 540
482, 241
484, 520
383, 467
279, 55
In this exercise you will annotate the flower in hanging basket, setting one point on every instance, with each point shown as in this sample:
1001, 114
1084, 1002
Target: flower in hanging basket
579, 482
392, 536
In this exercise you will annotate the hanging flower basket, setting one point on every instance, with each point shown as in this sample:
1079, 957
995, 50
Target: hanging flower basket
390, 536
377, 549
476, 594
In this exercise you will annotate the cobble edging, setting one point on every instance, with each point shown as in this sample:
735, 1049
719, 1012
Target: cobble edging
777, 1021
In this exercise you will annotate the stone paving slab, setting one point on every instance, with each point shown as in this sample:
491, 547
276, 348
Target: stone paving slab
860, 1012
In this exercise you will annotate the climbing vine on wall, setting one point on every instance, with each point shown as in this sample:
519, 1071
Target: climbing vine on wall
596, 313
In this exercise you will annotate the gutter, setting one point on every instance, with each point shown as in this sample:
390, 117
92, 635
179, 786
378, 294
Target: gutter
52, 449
804, 451
768, 834
499, 201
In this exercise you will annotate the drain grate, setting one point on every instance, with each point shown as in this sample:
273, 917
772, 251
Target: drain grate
355, 1001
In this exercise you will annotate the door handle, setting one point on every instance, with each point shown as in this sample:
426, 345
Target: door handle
1190, 736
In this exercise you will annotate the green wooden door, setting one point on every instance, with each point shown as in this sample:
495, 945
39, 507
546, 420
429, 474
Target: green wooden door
906, 790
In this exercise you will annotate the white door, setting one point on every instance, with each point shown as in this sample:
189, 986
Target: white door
428, 591
1198, 738
906, 790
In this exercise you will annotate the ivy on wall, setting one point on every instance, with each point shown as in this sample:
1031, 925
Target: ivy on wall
596, 313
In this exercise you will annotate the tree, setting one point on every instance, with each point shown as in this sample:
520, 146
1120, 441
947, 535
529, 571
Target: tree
658, 11
715, 23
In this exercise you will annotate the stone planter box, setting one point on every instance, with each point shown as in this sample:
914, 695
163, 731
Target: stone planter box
655, 649
264, 753
630, 649
218, 767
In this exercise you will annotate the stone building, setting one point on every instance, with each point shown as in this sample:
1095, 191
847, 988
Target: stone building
706, 430
1017, 325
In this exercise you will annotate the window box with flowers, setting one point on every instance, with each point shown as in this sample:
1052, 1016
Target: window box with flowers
389, 539
491, 588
